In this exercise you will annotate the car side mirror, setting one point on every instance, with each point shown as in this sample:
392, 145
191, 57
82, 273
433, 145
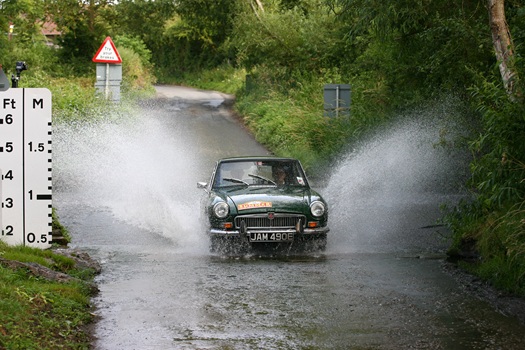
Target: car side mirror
202, 185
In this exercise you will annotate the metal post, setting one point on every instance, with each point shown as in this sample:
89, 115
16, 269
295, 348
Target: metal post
337, 101
106, 90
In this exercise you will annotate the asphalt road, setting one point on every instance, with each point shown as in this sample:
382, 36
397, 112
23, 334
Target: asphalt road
127, 192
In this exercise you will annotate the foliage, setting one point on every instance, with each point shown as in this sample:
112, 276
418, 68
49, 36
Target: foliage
83, 26
497, 241
495, 219
143, 19
141, 26
502, 244
208, 23
37, 56
497, 170
224, 78
432, 45
294, 39
135, 44
136, 64
26, 17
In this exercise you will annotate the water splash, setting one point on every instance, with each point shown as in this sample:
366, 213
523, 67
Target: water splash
385, 195
141, 170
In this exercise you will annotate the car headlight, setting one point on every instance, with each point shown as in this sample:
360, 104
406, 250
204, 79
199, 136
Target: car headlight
317, 208
221, 210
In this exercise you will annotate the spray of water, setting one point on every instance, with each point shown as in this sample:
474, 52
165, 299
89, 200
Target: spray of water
143, 171
385, 194
140, 170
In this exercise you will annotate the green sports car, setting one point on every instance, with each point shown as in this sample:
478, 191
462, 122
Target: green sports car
263, 202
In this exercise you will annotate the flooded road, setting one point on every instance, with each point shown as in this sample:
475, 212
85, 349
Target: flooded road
127, 193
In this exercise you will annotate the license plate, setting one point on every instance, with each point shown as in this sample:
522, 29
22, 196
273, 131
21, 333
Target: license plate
271, 237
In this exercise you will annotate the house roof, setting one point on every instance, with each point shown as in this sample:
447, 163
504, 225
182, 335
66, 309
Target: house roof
50, 29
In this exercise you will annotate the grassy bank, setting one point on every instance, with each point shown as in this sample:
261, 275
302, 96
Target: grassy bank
492, 246
38, 312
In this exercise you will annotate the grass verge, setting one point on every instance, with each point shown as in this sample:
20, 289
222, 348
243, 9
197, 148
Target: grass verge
37, 311
492, 246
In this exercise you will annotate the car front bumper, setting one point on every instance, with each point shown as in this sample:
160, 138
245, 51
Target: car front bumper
305, 232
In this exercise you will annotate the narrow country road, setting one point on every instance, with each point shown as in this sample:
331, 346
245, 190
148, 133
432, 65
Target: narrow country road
127, 193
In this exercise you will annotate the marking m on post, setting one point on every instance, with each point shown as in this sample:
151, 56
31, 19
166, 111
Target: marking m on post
38, 103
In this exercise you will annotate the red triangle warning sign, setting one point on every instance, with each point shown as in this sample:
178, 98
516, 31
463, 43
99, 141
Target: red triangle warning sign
107, 53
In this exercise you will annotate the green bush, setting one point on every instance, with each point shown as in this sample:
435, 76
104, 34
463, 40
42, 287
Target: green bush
137, 69
136, 78
495, 218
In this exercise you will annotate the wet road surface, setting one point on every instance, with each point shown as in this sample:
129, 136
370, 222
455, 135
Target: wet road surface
127, 193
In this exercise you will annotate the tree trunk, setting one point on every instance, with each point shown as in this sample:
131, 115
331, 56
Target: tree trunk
502, 42
257, 9
259, 5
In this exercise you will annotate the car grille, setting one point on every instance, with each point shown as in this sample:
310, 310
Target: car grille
264, 221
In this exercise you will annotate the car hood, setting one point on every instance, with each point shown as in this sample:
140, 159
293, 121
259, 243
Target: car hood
264, 199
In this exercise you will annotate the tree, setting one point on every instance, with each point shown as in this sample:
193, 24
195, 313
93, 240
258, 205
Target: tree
502, 42
83, 25
26, 17
145, 19
289, 36
209, 22
195, 36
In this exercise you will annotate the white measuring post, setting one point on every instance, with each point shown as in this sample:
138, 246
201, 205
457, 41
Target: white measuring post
26, 162
1, 198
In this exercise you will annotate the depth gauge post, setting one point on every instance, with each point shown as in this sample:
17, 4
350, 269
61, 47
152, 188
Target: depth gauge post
26, 163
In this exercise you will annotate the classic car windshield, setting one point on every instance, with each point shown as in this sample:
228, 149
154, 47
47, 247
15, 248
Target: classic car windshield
259, 173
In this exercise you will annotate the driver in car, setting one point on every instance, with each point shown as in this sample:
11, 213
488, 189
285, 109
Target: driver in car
279, 175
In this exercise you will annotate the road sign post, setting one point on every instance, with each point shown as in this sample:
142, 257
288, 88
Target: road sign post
109, 77
109, 70
336, 100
